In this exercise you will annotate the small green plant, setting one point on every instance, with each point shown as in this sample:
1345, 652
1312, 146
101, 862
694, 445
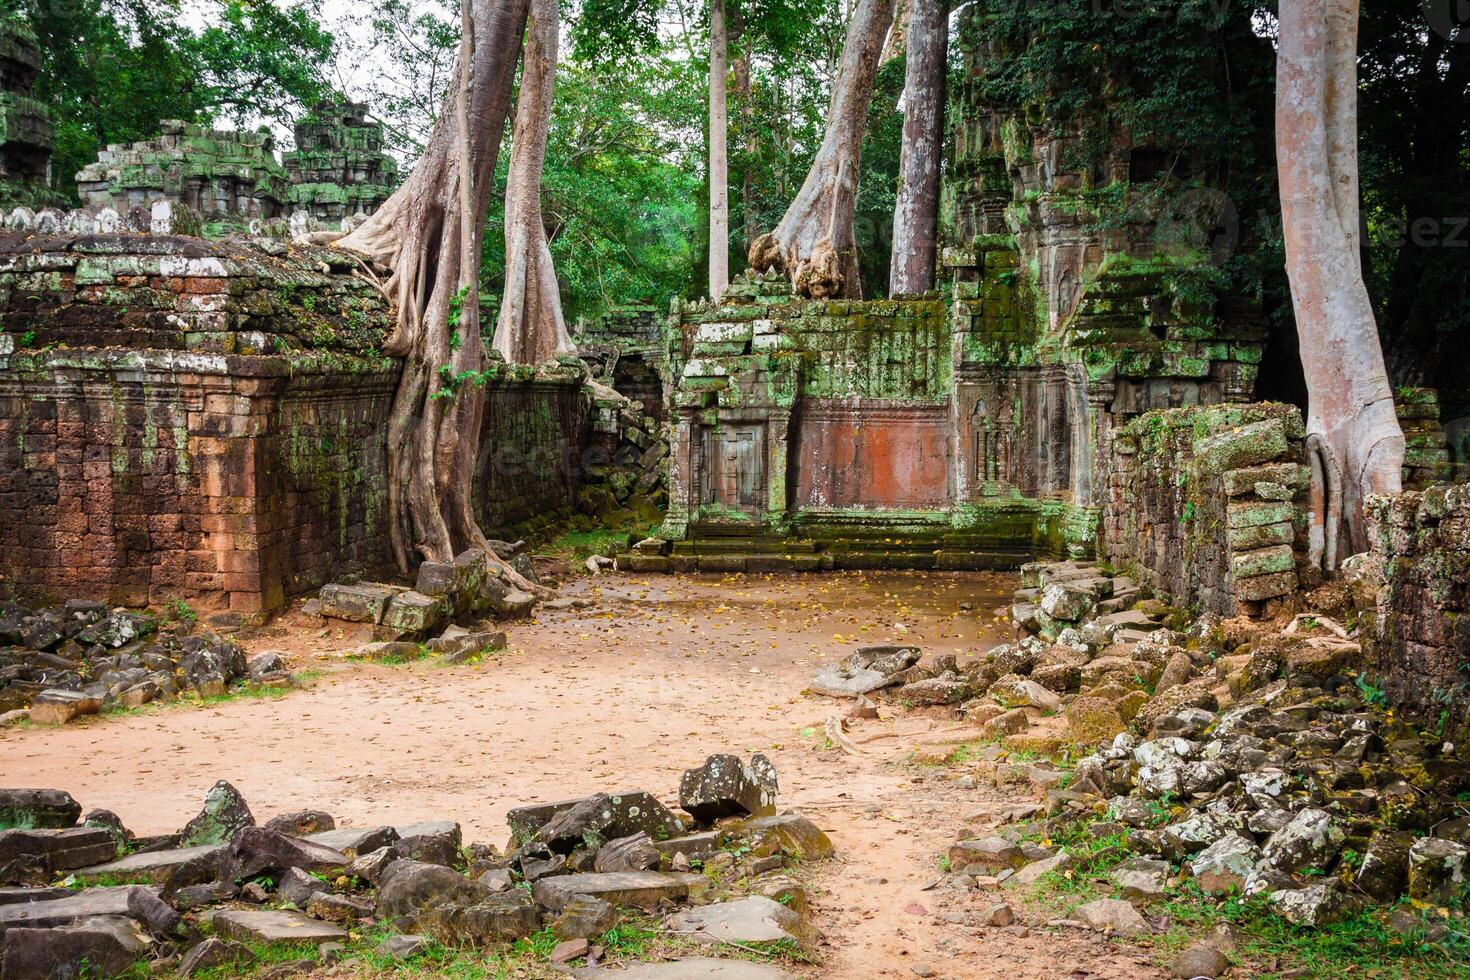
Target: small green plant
180, 611
1371, 692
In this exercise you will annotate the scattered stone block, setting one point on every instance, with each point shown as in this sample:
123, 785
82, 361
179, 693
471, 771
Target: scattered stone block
152, 866
693, 968
642, 889
214, 953
988, 853
1439, 869
355, 841
361, 603
274, 926
413, 613
58, 706
632, 811
754, 919
694, 847
585, 917
1223, 866
298, 887
342, 909
225, 812
28, 809
635, 853
1141, 881
1034, 871
256, 850
406, 887
99, 946
302, 823
787, 833
1318, 905
569, 950
1113, 916
1200, 961
725, 786
58, 850
64, 911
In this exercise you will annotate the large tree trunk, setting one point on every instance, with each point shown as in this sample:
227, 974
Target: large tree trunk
1353, 433
916, 213
531, 327
719, 158
740, 68
815, 242
428, 235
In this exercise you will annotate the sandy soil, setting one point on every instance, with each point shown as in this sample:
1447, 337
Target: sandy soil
656, 674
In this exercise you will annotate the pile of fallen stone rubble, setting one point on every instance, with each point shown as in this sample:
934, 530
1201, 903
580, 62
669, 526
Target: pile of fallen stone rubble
94, 893
61, 662
1245, 756
465, 590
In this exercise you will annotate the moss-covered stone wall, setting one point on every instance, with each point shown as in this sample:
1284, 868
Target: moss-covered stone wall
1420, 636
233, 480
201, 420
1206, 505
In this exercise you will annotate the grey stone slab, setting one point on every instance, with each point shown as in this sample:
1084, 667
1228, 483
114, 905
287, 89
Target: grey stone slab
696, 968
355, 841
64, 911
643, 889
274, 926
15, 896
755, 919
150, 866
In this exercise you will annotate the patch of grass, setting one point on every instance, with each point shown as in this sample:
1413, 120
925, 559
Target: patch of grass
238, 692
1361, 945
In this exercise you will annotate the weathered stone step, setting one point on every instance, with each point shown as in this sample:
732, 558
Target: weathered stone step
60, 850
274, 926
63, 911
148, 866
696, 968
643, 889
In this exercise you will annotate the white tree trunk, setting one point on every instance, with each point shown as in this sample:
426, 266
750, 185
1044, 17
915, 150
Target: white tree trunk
916, 212
531, 327
815, 243
719, 158
1351, 424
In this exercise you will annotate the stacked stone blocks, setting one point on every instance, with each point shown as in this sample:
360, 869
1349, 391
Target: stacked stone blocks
1420, 545
1207, 505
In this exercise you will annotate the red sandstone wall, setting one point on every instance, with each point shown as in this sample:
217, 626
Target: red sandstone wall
132, 479
867, 453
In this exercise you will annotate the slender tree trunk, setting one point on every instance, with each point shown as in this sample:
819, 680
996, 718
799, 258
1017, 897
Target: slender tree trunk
898, 36
815, 243
1352, 429
428, 235
750, 142
916, 213
531, 327
719, 158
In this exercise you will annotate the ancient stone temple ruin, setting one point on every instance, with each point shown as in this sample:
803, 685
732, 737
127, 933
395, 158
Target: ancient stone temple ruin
232, 178
25, 126
225, 175
1013, 421
624, 349
338, 168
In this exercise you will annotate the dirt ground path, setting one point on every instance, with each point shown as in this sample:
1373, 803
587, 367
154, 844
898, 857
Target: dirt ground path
650, 678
